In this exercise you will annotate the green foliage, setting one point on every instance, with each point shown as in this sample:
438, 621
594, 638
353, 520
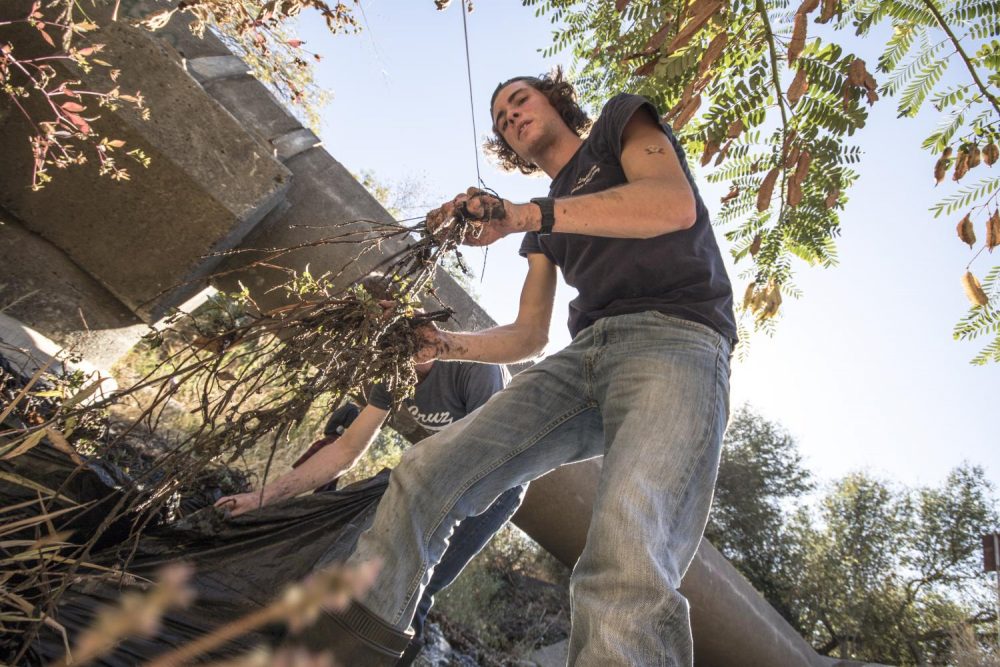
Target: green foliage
874, 572
749, 121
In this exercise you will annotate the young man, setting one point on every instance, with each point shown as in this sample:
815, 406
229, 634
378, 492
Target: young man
445, 393
645, 382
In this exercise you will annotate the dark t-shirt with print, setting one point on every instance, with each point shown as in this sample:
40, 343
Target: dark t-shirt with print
679, 274
449, 391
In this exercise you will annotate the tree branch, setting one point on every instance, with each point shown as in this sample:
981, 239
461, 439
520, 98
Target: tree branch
961, 52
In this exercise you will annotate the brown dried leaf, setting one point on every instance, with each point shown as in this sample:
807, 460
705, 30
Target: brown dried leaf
723, 153
941, 166
974, 290
705, 10
807, 6
991, 153
687, 112
755, 244
802, 168
733, 194
966, 232
792, 157
832, 197
974, 156
961, 164
748, 295
658, 38
735, 129
829, 9
993, 231
767, 189
60, 442
794, 193
711, 147
646, 68
620, 5
798, 41
712, 52
856, 72
798, 88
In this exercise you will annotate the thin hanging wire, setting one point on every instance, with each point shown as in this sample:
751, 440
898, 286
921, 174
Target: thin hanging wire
472, 104
472, 108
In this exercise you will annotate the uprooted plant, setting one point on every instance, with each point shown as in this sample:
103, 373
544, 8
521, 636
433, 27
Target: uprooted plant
252, 374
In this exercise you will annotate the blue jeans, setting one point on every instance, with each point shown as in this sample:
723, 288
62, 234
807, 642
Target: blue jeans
648, 391
469, 538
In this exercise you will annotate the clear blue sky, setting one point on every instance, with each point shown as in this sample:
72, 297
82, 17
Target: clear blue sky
862, 370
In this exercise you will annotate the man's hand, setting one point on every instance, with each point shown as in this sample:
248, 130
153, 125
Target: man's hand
434, 343
491, 218
241, 503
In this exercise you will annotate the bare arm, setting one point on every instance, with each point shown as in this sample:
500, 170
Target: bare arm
524, 339
657, 199
328, 463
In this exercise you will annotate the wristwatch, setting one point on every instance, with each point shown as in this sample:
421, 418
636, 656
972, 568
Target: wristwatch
548, 207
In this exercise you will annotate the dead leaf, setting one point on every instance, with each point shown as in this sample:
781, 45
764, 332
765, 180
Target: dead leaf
712, 52
966, 232
723, 153
711, 147
993, 231
974, 156
961, 164
748, 295
990, 154
60, 442
941, 166
706, 9
620, 5
798, 41
794, 193
658, 38
807, 6
24, 445
798, 88
72, 107
735, 129
832, 197
829, 9
733, 193
792, 157
767, 189
974, 290
755, 244
687, 112
646, 68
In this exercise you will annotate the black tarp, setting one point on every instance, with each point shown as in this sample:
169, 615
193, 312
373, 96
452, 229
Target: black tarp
240, 564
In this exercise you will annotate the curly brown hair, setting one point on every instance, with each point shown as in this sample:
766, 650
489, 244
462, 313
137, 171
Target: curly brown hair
561, 95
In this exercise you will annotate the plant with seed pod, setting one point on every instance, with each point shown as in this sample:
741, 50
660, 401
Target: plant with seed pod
791, 90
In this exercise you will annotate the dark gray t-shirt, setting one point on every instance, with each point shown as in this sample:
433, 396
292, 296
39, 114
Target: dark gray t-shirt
450, 391
679, 274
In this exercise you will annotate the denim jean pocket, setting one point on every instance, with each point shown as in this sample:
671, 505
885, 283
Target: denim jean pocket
688, 324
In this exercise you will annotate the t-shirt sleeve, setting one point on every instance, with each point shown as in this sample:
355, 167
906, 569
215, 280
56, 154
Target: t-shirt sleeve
530, 245
380, 397
479, 382
615, 115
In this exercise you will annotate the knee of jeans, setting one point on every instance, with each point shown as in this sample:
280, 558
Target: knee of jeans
414, 471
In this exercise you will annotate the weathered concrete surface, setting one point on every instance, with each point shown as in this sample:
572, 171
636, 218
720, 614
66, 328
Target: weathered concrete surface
42, 288
209, 183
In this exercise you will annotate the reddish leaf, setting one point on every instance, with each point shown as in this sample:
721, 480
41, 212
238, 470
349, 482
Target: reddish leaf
45, 35
80, 123
72, 107
294, 43
620, 5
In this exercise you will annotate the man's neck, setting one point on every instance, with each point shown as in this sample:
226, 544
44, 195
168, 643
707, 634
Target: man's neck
559, 152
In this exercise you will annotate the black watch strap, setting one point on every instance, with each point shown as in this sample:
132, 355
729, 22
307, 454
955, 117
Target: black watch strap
548, 208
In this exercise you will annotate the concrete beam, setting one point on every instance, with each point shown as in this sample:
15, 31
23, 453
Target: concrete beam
146, 240
732, 624
42, 288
